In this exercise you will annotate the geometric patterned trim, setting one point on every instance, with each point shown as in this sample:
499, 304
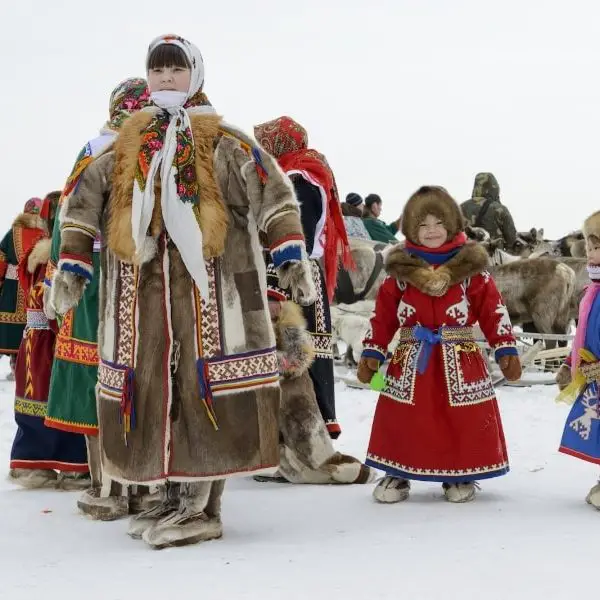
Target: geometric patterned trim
440, 475
401, 388
111, 380
76, 351
36, 319
323, 345
12, 272
240, 372
33, 408
461, 392
71, 427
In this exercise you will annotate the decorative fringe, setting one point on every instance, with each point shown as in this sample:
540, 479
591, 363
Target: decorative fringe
205, 391
127, 415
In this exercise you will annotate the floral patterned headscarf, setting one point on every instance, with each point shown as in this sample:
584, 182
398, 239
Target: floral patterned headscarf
287, 141
129, 96
33, 206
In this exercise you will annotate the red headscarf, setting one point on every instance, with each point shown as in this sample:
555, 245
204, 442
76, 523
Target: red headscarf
287, 141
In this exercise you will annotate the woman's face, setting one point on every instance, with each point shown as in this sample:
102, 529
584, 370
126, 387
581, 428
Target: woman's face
176, 79
432, 233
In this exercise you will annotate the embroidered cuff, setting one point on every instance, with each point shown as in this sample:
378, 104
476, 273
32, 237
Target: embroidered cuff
374, 353
288, 249
77, 227
77, 264
505, 351
278, 295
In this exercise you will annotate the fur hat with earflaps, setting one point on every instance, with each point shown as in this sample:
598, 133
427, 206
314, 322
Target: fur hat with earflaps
431, 200
591, 229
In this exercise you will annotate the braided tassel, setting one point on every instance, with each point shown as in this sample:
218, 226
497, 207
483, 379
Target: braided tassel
127, 415
205, 391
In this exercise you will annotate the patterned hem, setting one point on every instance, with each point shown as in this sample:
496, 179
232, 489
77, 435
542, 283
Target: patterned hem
71, 427
50, 464
31, 408
438, 475
592, 459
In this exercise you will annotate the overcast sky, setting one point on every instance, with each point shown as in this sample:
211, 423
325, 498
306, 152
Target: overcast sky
396, 93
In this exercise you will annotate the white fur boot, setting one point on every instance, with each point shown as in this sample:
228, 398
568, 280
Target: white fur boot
33, 478
73, 481
390, 490
459, 492
169, 502
189, 524
593, 497
102, 508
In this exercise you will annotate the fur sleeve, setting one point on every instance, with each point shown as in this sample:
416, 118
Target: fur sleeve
81, 215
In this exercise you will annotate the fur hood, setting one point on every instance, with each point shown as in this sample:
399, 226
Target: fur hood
431, 200
351, 211
470, 260
39, 255
295, 349
591, 227
30, 221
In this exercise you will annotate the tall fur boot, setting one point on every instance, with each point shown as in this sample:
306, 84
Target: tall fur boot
190, 523
593, 497
169, 501
141, 498
107, 506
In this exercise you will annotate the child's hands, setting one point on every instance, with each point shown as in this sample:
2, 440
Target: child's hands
367, 367
563, 377
510, 366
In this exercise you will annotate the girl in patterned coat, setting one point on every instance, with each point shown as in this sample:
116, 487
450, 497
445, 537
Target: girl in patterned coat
437, 418
578, 377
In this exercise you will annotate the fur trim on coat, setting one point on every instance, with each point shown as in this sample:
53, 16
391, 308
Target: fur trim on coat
470, 260
39, 255
213, 217
295, 350
431, 200
29, 221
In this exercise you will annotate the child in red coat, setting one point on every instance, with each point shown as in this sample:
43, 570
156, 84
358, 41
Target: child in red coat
437, 418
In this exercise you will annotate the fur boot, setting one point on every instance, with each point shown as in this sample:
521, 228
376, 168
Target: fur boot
142, 498
458, 493
71, 482
102, 508
593, 497
391, 490
168, 502
33, 479
189, 524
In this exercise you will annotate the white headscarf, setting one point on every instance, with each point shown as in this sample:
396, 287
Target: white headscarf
179, 217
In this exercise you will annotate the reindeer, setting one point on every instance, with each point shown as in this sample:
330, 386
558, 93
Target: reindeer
583, 425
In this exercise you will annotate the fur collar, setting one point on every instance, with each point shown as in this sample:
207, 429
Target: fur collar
470, 260
213, 217
29, 221
39, 255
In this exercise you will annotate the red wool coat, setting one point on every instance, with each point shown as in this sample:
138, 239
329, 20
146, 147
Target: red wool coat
442, 424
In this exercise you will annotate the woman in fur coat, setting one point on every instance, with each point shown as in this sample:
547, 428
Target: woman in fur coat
188, 382
437, 418
326, 240
72, 401
12, 297
579, 377
39, 452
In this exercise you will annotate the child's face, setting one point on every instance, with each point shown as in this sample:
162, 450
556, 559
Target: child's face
593, 253
432, 233
175, 79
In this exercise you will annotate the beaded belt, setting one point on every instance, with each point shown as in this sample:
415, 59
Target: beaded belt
36, 319
11, 272
463, 337
591, 371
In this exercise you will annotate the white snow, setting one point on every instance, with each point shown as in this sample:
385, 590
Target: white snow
528, 535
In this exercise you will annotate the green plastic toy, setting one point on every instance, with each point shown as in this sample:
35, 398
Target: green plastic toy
378, 381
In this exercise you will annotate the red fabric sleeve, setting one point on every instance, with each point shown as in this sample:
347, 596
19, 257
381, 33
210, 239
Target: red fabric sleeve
384, 322
489, 309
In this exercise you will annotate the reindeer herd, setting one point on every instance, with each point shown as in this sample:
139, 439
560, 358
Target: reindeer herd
541, 281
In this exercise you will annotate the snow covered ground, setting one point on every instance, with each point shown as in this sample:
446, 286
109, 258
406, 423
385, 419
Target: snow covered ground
528, 535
